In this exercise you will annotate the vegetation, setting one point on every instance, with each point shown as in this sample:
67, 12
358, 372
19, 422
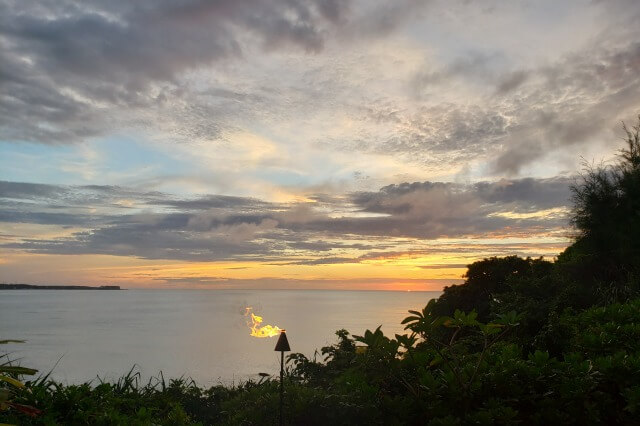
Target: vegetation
10, 385
522, 341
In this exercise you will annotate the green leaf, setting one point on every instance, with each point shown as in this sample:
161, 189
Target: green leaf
12, 381
539, 357
490, 329
437, 360
4, 395
18, 370
410, 319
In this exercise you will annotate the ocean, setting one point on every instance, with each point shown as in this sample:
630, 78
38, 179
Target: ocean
78, 335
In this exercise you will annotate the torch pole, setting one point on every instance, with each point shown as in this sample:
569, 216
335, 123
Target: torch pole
282, 346
281, 384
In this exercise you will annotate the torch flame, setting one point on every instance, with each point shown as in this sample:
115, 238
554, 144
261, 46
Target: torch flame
254, 321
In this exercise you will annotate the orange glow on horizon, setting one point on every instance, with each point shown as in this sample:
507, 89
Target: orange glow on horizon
411, 264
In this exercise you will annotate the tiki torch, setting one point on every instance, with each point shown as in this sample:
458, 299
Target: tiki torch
282, 346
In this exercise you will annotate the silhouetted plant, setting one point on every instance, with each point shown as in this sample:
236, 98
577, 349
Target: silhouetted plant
10, 375
606, 215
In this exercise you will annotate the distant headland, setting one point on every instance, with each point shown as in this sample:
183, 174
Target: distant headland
56, 287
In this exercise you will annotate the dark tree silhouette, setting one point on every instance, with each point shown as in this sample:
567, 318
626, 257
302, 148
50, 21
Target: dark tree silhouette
485, 280
606, 215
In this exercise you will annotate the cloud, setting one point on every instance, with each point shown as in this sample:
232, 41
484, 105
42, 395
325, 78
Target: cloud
474, 66
23, 190
378, 79
70, 196
479, 108
511, 81
212, 202
526, 194
575, 100
72, 71
430, 209
213, 227
324, 261
9, 215
444, 266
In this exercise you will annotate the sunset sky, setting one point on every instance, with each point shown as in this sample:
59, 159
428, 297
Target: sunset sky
300, 144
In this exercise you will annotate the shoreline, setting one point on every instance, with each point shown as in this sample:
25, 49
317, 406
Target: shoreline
56, 287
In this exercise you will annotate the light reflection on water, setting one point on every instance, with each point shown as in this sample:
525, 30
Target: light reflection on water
196, 333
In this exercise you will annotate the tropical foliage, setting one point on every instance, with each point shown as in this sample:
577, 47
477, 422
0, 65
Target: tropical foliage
10, 385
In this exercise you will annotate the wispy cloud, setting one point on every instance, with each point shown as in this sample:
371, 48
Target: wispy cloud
159, 226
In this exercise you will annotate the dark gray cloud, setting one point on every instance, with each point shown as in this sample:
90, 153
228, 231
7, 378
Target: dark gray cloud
22, 190
519, 195
217, 228
213, 202
150, 243
479, 67
69, 196
511, 81
48, 218
431, 210
526, 194
73, 70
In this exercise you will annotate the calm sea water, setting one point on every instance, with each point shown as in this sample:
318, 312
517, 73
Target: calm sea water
196, 333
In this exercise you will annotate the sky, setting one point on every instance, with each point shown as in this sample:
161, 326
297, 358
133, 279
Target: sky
331, 144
